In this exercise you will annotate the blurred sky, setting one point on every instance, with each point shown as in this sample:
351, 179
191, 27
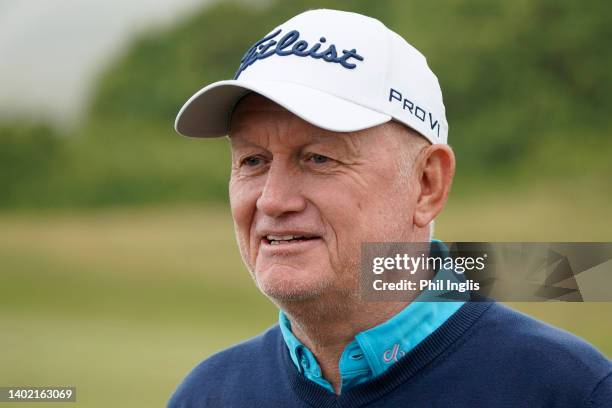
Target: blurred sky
51, 50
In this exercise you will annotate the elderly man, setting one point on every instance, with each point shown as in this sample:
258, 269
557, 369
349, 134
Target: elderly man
338, 137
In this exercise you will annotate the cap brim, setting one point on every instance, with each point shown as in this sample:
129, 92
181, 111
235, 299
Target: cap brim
208, 112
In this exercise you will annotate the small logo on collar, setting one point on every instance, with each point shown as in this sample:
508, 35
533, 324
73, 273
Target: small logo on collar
393, 354
291, 44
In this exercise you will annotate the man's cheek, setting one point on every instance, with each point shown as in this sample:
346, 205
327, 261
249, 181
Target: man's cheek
242, 209
242, 229
348, 250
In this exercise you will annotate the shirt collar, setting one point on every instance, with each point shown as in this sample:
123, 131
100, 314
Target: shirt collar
376, 349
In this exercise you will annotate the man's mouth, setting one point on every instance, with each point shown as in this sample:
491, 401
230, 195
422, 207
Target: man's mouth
287, 239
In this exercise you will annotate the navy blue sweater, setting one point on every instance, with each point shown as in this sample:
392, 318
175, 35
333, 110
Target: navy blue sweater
485, 355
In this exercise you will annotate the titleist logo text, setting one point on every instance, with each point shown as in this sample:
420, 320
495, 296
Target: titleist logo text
290, 44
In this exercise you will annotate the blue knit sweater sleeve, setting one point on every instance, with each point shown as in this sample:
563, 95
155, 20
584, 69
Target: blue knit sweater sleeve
602, 394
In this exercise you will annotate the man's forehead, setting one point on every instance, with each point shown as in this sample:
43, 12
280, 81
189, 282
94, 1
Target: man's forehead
253, 110
338, 142
256, 102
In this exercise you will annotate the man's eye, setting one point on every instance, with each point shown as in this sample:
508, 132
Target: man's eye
319, 159
251, 161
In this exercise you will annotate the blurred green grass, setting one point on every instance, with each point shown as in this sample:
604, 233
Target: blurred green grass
122, 302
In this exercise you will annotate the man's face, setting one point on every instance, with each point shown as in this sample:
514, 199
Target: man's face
303, 199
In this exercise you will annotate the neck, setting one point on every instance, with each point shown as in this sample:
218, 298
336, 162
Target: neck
326, 331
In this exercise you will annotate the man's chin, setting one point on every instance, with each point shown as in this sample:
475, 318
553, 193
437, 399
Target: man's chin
291, 291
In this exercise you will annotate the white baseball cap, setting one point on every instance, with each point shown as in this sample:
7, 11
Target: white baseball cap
337, 70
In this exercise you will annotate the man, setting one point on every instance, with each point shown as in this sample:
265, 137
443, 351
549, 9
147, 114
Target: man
338, 136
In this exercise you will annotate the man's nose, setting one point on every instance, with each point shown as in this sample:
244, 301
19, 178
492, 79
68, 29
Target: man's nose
281, 193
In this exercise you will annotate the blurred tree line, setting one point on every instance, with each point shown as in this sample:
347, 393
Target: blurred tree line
526, 86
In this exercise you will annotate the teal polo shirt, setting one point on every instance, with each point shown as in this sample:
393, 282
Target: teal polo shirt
374, 350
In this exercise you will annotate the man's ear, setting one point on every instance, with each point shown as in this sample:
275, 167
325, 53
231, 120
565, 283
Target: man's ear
434, 175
